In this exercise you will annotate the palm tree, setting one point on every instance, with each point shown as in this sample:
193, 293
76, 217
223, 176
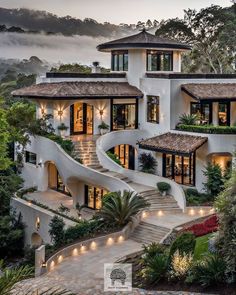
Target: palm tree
120, 208
10, 277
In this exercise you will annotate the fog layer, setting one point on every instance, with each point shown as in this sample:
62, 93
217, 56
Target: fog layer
53, 48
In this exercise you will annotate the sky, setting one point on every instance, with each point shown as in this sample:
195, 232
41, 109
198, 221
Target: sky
115, 11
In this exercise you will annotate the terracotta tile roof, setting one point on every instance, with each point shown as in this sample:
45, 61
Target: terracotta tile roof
211, 91
68, 90
142, 40
173, 143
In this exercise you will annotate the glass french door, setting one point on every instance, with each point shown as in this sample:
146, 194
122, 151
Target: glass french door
224, 114
81, 118
126, 154
179, 168
93, 196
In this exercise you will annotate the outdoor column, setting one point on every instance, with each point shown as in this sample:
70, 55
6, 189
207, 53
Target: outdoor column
233, 113
215, 108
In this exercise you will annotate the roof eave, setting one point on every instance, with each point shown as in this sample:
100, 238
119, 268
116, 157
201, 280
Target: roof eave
109, 47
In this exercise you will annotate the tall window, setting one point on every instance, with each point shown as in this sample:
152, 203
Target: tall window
204, 112
180, 168
30, 158
159, 60
119, 60
153, 109
93, 196
124, 115
224, 114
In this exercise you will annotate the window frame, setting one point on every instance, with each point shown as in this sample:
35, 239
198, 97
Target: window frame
159, 60
28, 158
201, 104
156, 105
116, 55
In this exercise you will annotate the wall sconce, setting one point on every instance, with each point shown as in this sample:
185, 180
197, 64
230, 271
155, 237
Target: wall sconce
37, 223
101, 112
40, 164
42, 110
60, 113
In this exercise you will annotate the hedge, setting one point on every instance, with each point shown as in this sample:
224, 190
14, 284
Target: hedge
207, 129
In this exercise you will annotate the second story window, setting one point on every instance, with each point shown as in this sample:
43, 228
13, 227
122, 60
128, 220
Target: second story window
159, 60
153, 109
30, 158
119, 60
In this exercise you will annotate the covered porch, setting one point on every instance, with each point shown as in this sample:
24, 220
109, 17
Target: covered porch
178, 155
214, 103
83, 106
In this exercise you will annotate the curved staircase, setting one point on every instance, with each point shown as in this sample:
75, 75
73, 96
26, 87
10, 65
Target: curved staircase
147, 233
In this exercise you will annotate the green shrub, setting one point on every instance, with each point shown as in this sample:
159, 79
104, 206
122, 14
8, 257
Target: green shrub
192, 192
78, 231
185, 243
147, 163
155, 269
188, 119
209, 271
214, 183
56, 231
210, 129
151, 250
103, 126
114, 158
163, 186
66, 144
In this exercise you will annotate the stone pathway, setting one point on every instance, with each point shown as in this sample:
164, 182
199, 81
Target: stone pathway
83, 274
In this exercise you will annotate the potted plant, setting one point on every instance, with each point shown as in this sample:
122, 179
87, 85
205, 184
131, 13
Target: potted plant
103, 127
62, 129
163, 187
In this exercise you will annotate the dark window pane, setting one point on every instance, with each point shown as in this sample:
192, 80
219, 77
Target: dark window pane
159, 61
153, 109
30, 158
119, 60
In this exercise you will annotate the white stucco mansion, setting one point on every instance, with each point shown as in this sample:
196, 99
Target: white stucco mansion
141, 100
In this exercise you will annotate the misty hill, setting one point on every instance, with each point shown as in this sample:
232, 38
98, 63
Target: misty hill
42, 21
13, 67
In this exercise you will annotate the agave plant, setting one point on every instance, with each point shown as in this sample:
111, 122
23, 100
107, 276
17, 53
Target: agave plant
119, 208
187, 119
12, 276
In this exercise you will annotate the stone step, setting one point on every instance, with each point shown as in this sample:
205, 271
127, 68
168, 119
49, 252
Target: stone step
147, 233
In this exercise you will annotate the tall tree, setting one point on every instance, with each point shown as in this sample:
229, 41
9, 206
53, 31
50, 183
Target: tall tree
207, 31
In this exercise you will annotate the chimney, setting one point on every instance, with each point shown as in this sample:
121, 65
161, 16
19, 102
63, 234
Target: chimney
96, 67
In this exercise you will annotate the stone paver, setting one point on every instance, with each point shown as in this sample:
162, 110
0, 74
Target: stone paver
83, 274
172, 219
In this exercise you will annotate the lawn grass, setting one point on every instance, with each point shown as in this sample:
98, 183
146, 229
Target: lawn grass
201, 247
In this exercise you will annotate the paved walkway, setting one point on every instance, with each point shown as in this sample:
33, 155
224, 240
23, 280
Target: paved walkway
83, 274
54, 199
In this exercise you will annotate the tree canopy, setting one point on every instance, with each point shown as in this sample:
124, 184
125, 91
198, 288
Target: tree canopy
210, 31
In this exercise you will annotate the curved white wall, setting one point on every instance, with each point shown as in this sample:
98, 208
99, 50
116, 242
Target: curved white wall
131, 137
47, 150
